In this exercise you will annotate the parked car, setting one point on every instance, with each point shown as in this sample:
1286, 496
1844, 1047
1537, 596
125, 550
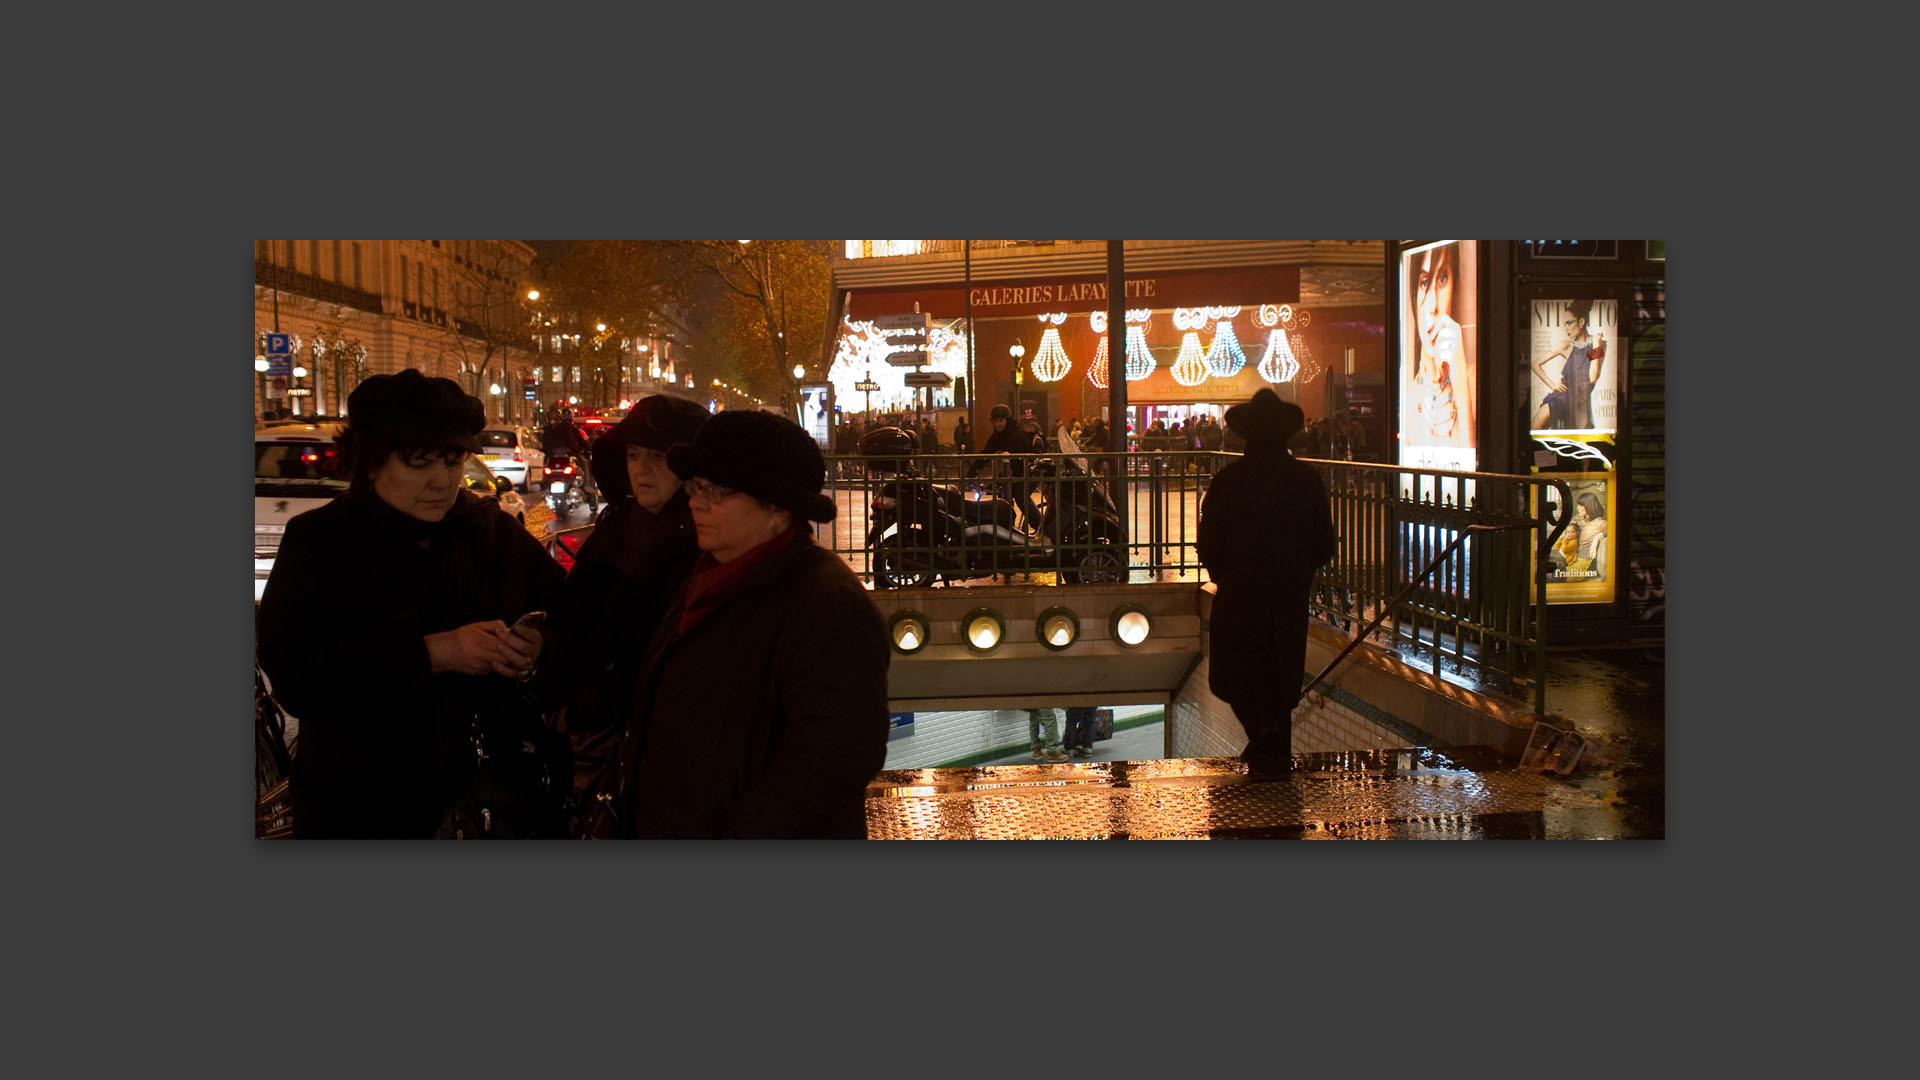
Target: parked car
295, 468
513, 452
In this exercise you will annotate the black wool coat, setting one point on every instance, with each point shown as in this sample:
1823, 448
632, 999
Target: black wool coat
385, 743
622, 580
769, 716
1265, 526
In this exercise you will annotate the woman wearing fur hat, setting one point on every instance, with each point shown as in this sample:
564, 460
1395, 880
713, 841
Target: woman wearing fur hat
1265, 526
761, 708
384, 627
639, 554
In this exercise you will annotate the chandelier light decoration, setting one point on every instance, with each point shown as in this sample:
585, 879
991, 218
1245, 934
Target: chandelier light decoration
1050, 361
1280, 363
1097, 371
1140, 363
1190, 366
1225, 358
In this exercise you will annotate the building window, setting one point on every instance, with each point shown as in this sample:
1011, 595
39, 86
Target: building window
403, 279
263, 250
436, 287
420, 283
313, 257
289, 254
356, 266
339, 270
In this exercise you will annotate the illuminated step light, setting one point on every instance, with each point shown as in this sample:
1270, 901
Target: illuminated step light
1129, 626
983, 629
909, 631
1057, 628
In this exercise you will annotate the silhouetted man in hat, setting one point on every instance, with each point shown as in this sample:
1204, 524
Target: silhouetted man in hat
1265, 526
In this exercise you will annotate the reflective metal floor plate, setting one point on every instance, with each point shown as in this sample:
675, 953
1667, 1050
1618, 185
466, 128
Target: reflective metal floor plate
1461, 793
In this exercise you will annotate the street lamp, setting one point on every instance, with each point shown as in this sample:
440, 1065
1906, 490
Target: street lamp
1017, 350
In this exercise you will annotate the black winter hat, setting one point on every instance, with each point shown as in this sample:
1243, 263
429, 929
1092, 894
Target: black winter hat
659, 422
766, 456
1265, 417
410, 409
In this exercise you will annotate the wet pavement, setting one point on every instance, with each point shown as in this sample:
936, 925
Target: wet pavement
1615, 699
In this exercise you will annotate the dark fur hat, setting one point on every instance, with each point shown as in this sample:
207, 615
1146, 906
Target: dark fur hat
766, 456
659, 422
410, 409
1265, 418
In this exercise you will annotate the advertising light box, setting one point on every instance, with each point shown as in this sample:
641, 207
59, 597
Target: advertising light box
1439, 355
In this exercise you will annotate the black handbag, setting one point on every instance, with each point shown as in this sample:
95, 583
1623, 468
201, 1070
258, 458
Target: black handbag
521, 786
1103, 725
272, 765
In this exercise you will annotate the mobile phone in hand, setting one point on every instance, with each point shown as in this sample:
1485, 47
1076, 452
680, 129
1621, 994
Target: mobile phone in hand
532, 621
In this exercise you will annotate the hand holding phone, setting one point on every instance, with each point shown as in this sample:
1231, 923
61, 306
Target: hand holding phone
525, 637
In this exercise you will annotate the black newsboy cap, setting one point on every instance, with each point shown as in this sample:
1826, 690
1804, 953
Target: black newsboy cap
766, 456
411, 409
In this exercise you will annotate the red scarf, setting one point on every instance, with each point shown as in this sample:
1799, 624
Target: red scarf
713, 582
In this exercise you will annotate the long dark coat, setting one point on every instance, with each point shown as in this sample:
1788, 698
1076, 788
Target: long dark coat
622, 580
1265, 526
769, 716
385, 743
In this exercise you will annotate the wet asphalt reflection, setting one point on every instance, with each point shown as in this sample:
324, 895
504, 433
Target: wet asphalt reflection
1616, 791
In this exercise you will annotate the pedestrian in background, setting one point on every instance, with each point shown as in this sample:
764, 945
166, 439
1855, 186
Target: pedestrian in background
640, 552
761, 707
1043, 732
1265, 526
384, 627
963, 437
1080, 721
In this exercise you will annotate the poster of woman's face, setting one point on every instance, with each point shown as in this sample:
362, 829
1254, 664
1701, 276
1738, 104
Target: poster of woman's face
1439, 351
1581, 561
1575, 349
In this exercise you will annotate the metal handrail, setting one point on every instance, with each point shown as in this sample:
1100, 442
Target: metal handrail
1540, 684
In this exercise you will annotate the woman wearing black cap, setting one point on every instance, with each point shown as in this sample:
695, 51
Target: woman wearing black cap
1265, 526
761, 708
384, 627
640, 553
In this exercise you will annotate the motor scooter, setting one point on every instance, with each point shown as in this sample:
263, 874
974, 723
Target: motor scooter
567, 484
922, 531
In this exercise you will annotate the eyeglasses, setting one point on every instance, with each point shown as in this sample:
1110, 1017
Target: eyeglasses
699, 487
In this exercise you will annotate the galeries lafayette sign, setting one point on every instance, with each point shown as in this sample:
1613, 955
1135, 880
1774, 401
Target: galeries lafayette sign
1081, 293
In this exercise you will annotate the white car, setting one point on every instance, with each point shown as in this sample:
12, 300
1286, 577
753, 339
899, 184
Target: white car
294, 470
513, 452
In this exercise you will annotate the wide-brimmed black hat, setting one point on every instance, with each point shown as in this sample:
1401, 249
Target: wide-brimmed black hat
1265, 417
766, 456
658, 422
410, 409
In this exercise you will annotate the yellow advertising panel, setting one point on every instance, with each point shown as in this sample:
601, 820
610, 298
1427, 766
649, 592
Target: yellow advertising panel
1582, 566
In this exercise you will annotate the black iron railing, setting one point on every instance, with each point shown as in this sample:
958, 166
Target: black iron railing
1443, 567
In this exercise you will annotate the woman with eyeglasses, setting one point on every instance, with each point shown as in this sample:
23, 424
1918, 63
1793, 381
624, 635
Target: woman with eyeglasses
761, 706
638, 555
385, 628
